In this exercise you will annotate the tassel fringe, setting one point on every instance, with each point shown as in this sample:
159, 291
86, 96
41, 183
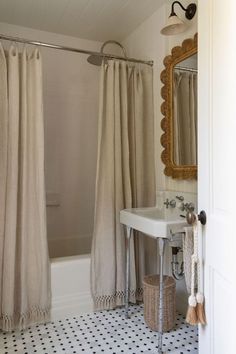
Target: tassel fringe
201, 314
22, 321
191, 316
109, 302
200, 309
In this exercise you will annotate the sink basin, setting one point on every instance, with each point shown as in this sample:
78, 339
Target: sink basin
152, 221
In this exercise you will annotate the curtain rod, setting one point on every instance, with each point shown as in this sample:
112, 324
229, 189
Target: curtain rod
76, 50
186, 69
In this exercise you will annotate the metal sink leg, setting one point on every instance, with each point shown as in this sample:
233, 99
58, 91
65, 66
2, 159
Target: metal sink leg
161, 242
127, 275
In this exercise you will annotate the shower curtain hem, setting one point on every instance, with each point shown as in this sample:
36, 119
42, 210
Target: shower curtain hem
110, 302
22, 321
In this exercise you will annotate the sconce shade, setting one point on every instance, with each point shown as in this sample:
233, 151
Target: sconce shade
173, 26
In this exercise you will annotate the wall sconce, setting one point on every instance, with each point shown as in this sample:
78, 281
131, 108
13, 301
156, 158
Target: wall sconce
174, 24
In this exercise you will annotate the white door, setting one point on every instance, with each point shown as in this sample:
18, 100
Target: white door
217, 178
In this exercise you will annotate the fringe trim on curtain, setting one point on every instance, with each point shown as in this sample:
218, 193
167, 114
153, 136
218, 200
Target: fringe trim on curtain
110, 302
22, 321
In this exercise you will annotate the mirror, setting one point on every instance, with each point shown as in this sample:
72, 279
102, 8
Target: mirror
180, 111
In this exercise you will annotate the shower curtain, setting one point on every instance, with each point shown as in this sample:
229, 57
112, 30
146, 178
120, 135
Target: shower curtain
24, 263
125, 178
185, 118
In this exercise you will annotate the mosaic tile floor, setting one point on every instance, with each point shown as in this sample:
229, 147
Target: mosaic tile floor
100, 332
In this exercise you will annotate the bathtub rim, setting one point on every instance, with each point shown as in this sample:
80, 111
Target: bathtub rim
69, 258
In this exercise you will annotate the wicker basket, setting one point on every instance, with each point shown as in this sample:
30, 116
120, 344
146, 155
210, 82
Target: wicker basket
151, 302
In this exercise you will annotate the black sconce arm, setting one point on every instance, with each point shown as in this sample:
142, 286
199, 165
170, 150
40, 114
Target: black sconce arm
189, 11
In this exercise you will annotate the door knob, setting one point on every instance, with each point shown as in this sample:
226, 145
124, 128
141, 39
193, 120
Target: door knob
191, 217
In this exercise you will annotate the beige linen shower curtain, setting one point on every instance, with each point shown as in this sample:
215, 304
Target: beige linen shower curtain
125, 178
24, 263
185, 118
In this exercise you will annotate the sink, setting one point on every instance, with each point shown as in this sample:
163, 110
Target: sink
153, 221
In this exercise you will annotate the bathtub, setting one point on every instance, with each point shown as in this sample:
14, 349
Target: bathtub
70, 278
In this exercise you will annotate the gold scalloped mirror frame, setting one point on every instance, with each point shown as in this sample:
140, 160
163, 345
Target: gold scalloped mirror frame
179, 53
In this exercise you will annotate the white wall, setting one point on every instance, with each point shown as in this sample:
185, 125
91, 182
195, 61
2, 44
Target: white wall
70, 87
147, 42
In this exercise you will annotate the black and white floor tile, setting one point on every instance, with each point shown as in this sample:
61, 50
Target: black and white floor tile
100, 332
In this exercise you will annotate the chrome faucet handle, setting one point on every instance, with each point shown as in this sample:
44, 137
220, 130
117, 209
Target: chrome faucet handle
166, 203
171, 203
189, 207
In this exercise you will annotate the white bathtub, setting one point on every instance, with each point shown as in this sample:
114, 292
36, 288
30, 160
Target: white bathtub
70, 277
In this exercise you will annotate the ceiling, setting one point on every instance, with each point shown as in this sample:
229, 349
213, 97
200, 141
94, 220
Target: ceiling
90, 19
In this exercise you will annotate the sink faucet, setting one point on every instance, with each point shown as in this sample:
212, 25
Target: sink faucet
180, 198
171, 203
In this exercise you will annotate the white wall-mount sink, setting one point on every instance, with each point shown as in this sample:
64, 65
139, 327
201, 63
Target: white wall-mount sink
159, 221
152, 221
